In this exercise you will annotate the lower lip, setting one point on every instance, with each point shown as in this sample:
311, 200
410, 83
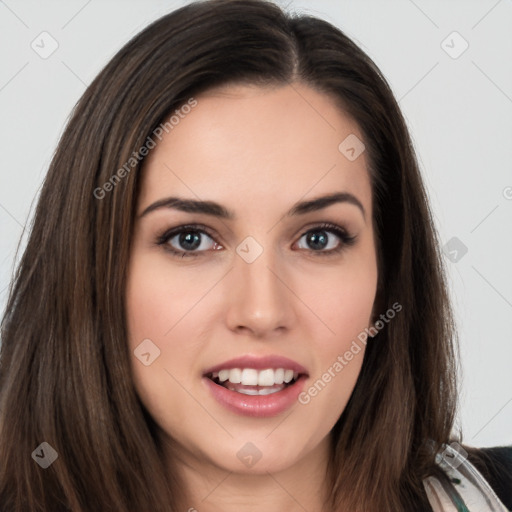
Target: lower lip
261, 406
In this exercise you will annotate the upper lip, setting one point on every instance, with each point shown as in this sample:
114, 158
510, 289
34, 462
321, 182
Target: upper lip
258, 363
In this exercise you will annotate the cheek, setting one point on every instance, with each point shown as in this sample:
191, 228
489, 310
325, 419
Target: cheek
153, 312
342, 300
343, 303
340, 349
158, 296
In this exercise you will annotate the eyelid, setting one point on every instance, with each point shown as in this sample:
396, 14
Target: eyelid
168, 233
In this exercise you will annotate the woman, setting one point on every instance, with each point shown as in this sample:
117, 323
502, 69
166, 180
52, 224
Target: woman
224, 298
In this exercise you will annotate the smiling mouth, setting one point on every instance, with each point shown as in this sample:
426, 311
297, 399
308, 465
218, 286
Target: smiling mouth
249, 381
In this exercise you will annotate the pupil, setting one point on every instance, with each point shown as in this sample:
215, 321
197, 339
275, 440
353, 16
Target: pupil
317, 240
190, 240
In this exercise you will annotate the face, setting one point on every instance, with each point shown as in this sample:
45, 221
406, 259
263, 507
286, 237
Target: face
226, 300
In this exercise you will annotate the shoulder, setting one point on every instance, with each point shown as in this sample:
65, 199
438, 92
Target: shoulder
495, 465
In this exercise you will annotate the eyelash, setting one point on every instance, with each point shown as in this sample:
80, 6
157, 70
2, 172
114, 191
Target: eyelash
345, 239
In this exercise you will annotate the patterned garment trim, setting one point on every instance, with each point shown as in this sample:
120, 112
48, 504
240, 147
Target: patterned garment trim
468, 491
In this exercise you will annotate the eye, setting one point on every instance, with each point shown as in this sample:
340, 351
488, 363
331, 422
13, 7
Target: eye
188, 241
192, 240
326, 239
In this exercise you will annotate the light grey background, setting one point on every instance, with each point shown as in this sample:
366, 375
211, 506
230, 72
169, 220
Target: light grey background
459, 111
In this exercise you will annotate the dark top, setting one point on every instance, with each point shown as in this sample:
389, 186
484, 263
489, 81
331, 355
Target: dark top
497, 471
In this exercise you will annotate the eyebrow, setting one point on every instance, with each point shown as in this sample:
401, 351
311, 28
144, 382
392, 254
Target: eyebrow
217, 210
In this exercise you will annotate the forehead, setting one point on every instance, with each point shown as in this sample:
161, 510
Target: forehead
242, 144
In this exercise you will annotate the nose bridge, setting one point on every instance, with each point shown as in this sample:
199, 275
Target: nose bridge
258, 298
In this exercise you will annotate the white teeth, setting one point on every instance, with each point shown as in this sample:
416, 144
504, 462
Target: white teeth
268, 391
288, 376
251, 392
266, 378
279, 376
223, 375
235, 375
251, 377
264, 391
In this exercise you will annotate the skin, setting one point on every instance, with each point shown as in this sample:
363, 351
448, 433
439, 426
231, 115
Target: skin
257, 151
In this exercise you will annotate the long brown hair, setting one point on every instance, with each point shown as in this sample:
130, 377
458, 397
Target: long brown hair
65, 375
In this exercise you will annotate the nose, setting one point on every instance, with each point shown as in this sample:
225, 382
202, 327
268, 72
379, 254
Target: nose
259, 299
